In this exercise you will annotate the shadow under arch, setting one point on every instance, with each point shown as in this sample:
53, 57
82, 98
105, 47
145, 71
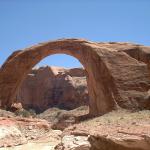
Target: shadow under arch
18, 65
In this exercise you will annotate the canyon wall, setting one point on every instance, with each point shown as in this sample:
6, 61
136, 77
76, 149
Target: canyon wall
47, 87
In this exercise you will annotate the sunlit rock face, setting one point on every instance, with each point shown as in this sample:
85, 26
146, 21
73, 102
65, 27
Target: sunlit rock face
115, 76
47, 87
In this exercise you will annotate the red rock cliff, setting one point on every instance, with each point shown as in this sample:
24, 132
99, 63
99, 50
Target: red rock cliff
45, 87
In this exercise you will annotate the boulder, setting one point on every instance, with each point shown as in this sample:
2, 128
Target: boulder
71, 142
11, 136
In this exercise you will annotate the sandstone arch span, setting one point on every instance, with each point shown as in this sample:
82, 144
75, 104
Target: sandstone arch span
113, 77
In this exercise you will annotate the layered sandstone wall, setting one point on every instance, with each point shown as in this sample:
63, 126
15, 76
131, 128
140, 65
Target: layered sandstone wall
46, 87
115, 76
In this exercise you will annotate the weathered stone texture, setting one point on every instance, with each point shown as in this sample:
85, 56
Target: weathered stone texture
114, 77
47, 87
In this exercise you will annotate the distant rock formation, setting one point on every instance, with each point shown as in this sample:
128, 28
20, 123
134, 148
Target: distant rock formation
46, 87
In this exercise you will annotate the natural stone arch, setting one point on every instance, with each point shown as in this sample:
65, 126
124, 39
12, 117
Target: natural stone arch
107, 88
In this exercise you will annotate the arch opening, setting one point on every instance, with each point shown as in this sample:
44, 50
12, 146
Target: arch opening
59, 80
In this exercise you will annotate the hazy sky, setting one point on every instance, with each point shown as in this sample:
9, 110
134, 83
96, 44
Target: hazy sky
26, 22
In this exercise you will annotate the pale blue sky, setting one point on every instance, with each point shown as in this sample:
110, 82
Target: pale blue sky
26, 22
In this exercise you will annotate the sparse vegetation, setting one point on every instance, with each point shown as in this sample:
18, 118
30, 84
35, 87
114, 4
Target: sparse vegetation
119, 117
26, 113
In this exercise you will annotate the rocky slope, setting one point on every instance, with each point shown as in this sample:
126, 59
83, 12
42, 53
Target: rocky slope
46, 87
27, 133
117, 130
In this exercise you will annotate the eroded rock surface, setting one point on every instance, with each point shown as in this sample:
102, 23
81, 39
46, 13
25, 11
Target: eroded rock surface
114, 77
15, 131
118, 130
11, 136
47, 87
71, 142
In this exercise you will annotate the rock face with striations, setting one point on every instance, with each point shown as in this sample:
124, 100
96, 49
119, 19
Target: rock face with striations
46, 87
117, 73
